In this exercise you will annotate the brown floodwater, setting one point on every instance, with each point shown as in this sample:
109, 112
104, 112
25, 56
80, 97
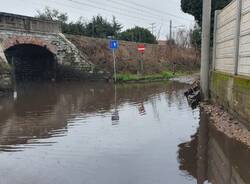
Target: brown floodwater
97, 133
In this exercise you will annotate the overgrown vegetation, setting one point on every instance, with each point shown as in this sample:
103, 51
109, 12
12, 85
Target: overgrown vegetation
156, 59
4, 67
174, 57
126, 77
138, 34
195, 37
97, 27
194, 7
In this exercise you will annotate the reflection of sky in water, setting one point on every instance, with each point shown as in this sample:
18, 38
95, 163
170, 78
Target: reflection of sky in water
68, 130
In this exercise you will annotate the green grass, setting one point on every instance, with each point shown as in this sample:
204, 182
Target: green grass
149, 77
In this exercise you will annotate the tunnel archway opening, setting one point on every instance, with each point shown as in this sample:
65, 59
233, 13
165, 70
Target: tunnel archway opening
31, 62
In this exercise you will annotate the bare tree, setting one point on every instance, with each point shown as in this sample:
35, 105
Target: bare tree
52, 14
183, 38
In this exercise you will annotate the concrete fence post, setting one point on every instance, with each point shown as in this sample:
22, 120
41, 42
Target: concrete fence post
215, 39
205, 49
237, 35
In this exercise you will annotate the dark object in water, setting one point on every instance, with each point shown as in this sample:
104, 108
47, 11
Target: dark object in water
115, 116
194, 94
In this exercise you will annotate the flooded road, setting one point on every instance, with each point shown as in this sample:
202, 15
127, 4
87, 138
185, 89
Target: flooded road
78, 133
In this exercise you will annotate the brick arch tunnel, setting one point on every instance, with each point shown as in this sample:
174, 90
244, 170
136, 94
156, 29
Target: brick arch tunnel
31, 62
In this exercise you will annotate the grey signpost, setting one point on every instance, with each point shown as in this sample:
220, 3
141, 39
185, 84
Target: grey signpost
113, 45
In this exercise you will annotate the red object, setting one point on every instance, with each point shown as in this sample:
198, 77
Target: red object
141, 48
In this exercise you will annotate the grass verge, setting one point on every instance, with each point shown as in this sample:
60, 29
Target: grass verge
145, 78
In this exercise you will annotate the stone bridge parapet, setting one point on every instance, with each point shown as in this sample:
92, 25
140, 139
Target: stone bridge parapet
23, 23
21, 30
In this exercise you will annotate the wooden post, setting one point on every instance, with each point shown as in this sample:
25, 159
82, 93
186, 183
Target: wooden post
205, 49
215, 38
237, 35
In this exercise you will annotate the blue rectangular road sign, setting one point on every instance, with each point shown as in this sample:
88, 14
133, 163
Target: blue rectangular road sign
113, 44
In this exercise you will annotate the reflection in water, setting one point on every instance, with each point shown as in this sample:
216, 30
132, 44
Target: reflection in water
212, 156
141, 109
115, 115
187, 156
63, 133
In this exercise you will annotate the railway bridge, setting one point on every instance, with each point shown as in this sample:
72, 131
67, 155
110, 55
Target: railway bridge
35, 49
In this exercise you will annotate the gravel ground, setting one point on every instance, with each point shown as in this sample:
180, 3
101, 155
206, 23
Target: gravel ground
188, 79
227, 124
222, 120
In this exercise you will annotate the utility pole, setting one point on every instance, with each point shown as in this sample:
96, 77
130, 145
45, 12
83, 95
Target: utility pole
93, 29
170, 30
153, 27
205, 48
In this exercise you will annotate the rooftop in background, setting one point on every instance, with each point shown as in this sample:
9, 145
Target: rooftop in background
162, 42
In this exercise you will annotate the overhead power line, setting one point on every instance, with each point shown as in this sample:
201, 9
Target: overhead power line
154, 10
148, 18
126, 9
132, 15
79, 9
144, 13
133, 7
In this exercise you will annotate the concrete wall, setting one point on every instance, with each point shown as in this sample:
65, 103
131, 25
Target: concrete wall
228, 160
233, 92
244, 46
225, 32
230, 79
24, 23
232, 39
213, 157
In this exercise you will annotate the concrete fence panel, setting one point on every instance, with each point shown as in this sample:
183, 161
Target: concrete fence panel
225, 38
244, 46
232, 39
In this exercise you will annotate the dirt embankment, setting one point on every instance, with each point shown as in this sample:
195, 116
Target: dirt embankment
156, 58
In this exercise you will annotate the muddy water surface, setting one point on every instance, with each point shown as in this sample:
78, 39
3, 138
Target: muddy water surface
78, 133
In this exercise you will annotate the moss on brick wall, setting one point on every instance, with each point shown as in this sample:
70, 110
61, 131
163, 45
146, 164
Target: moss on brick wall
4, 67
242, 82
5, 77
233, 92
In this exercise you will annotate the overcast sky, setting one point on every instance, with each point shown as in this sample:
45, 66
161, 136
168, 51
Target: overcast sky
128, 12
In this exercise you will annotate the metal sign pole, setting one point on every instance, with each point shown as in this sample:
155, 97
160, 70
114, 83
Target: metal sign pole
141, 49
113, 44
142, 68
114, 63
